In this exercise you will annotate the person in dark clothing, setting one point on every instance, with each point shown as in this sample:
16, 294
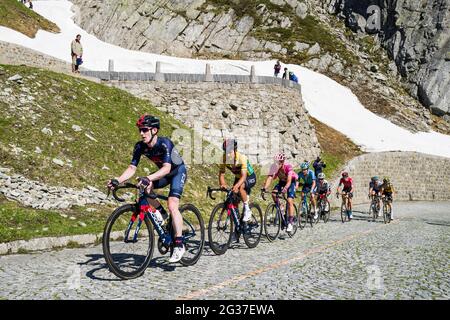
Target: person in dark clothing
277, 69
285, 74
318, 165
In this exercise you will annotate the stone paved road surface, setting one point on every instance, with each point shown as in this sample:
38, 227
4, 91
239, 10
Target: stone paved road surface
407, 259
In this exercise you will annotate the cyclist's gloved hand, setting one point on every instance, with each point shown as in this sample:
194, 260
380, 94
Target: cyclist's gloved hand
263, 189
284, 190
144, 181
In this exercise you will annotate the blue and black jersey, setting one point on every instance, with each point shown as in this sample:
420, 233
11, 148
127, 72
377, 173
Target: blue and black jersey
163, 151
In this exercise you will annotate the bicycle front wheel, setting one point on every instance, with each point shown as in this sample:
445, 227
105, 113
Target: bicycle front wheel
302, 217
295, 223
344, 216
272, 222
193, 234
220, 229
254, 227
326, 211
128, 242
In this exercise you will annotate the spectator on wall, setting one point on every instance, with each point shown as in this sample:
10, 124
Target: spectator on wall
285, 74
293, 77
277, 69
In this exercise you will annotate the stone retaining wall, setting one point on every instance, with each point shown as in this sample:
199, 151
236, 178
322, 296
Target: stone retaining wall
415, 176
265, 118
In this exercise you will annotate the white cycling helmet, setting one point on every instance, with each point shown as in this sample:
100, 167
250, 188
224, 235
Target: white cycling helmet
321, 175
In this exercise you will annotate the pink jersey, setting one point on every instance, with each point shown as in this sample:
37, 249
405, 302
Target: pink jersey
347, 183
284, 172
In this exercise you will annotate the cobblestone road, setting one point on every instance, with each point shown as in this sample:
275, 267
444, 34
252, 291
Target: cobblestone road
407, 259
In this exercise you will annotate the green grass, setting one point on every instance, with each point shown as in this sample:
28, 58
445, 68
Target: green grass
15, 15
105, 113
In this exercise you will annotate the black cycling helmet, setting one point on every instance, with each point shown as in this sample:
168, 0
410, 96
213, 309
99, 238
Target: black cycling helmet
229, 144
148, 121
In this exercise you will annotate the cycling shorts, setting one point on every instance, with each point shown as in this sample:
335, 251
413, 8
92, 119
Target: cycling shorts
290, 191
176, 182
307, 188
249, 183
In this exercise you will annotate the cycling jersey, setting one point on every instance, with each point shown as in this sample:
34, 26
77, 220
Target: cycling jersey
375, 186
348, 183
387, 187
241, 164
162, 152
283, 173
308, 179
323, 187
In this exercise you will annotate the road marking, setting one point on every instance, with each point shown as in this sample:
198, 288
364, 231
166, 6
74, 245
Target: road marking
198, 293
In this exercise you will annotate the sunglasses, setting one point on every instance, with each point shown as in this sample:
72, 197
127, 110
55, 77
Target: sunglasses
144, 130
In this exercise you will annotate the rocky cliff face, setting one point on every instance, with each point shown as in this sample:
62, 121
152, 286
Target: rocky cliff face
305, 32
416, 34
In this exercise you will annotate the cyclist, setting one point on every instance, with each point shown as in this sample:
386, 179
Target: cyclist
171, 171
347, 182
309, 185
323, 187
245, 177
375, 188
387, 189
287, 180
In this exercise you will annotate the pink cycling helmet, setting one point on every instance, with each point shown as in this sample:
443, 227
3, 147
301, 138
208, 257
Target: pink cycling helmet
280, 156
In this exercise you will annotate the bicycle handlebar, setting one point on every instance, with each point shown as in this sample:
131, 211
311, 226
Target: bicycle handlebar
211, 190
128, 185
276, 193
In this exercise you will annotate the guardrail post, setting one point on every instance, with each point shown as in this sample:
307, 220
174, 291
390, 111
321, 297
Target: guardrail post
158, 75
208, 75
110, 65
253, 78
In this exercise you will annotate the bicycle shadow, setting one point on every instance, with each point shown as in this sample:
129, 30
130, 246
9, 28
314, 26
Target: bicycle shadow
94, 261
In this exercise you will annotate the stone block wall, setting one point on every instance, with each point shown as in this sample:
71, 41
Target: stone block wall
415, 176
265, 117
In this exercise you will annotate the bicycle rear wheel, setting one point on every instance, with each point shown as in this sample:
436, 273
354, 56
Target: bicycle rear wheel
296, 222
193, 234
254, 227
220, 229
125, 256
272, 222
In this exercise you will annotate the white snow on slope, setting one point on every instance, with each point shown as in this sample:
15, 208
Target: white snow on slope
325, 99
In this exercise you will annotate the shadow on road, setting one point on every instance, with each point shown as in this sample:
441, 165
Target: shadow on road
97, 262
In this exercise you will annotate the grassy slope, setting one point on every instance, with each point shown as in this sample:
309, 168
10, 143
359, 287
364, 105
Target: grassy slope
14, 15
337, 149
107, 114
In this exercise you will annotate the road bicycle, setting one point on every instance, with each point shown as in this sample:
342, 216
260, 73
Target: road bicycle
323, 204
374, 209
276, 217
344, 207
306, 212
225, 221
387, 209
128, 248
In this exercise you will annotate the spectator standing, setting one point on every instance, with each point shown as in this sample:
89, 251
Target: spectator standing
77, 52
318, 166
285, 74
277, 69
30, 4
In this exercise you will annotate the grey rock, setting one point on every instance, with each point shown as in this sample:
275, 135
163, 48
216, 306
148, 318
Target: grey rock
15, 77
314, 50
301, 10
47, 131
59, 162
